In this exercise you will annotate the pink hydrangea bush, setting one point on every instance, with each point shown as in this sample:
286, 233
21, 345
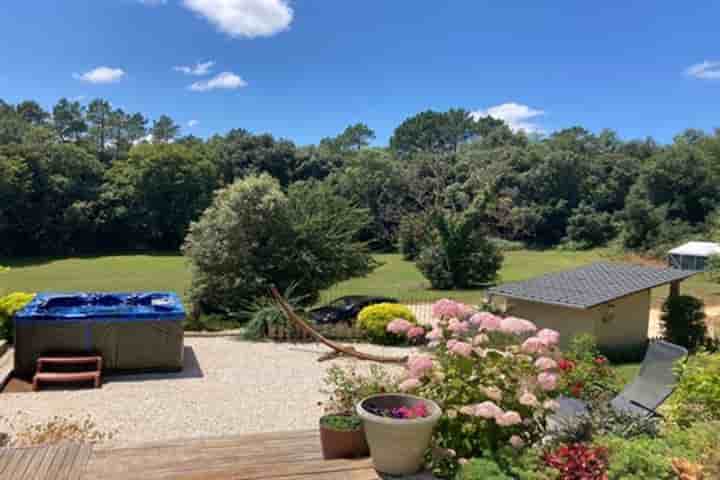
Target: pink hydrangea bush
495, 378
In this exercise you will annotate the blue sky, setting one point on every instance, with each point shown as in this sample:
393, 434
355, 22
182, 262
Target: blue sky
305, 69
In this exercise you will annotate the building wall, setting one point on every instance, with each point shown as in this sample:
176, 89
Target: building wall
621, 323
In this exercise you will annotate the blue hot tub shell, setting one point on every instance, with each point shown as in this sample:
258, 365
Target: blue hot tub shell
131, 331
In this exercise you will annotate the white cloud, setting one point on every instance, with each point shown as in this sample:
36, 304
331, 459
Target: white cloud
224, 80
193, 123
101, 75
199, 69
707, 70
515, 115
244, 18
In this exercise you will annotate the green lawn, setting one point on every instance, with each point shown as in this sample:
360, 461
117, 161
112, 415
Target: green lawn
395, 277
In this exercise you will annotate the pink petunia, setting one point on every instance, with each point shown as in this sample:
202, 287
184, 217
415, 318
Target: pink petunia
545, 363
409, 385
486, 321
446, 308
487, 410
508, 419
547, 381
533, 345
415, 332
550, 337
419, 365
462, 349
399, 326
517, 326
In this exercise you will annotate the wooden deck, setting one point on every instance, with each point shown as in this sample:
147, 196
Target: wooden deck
54, 462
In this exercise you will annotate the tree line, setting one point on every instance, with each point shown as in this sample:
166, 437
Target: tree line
93, 178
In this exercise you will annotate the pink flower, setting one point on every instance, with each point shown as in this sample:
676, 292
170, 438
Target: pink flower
517, 442
547, 381
458, 327
545, 363
486, 321
487, 410
434, 334
550, 337
533, 345
419, 365
409, 384
517, 325
399, 326
528, 399
551, 404
508, 419
463, 349
447, 309
480, 339
415, 332
493, 393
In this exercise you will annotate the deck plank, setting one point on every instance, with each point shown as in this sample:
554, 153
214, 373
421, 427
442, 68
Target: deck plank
48, 462
281, 456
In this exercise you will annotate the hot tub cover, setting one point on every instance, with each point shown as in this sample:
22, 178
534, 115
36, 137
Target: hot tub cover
129, 330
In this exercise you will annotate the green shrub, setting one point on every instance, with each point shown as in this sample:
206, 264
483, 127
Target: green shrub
482, 469
588, 228
264, 312
341, 423
683, 321
712, 268
585, 373
413, 234
254, 236
374, 319
9, 306
459, 254
697, 396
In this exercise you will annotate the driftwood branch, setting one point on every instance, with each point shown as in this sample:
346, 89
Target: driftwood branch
338, 349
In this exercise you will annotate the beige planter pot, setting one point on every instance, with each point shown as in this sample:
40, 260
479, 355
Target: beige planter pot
398, 446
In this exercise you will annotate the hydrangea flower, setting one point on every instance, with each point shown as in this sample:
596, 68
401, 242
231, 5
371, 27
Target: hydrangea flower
487, 410
418, 365
528, 399
493, 393
508, 419
446, 308
486, 321
463, 349
545, 363
399, 326
434, 334
550, 337
479, 339
533, 345
409, 385
547, 381
517, 442
517, 326
458, 327
415, 332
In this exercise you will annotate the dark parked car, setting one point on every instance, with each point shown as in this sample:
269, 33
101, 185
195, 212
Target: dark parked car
345, 309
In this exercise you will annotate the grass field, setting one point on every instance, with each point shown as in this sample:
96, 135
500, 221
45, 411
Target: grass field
395, 277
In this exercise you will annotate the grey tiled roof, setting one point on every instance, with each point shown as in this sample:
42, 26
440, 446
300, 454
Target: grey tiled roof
591, 285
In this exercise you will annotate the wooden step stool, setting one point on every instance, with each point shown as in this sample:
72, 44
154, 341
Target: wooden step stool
62, 377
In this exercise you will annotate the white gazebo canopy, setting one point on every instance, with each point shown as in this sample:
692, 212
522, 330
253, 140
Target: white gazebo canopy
697, 249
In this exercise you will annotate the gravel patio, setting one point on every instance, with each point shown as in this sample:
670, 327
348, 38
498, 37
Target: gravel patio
227, 387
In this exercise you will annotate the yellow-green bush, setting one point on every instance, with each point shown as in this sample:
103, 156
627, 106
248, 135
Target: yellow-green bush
373, 321
9, 305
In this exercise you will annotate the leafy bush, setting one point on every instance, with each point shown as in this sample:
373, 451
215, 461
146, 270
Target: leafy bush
712, 268
264, 312
493, 379
9, 306
579, 461
585, 373
374, 319
697, 396
346, 386
602, 420
413, 234
683, 321
459, 254
341, 423
588, 228
482, 469
254, 236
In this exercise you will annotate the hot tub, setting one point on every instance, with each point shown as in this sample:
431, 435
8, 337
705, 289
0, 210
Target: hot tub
131, 331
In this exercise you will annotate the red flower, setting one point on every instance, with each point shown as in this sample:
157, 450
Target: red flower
579, 462
600, 361
566, 365
576, 389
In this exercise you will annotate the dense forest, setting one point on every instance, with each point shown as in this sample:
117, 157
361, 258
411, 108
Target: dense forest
93, 178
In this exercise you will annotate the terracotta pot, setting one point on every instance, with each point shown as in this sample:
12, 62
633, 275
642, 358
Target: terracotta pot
343, 443
398, 446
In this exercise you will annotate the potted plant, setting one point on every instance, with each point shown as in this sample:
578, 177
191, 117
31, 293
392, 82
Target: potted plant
398, 428
342, 436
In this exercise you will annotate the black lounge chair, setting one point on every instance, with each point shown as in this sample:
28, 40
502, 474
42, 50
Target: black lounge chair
642, 397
